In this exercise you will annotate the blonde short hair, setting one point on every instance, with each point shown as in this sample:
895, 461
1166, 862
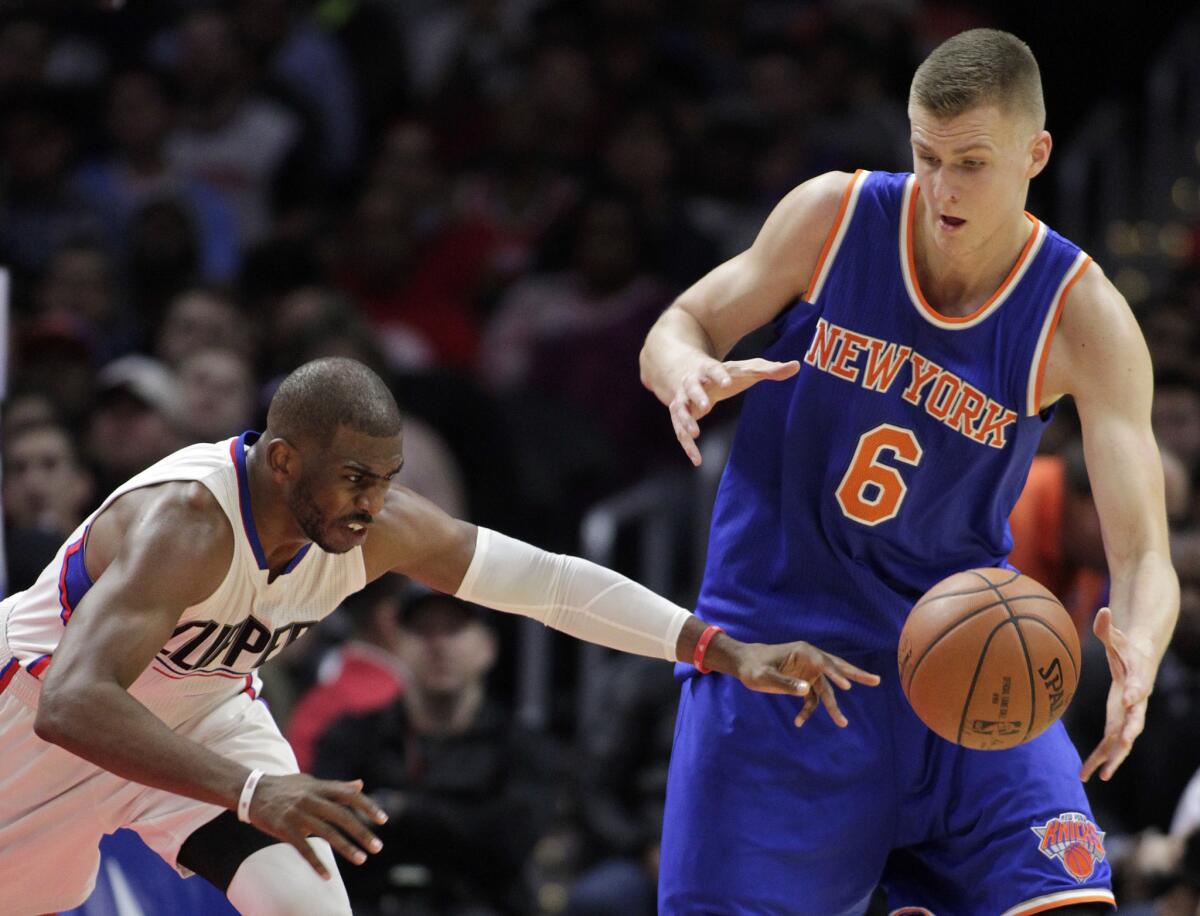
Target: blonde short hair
980, 67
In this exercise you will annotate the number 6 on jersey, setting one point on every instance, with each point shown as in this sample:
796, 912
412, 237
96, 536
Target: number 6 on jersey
871, 492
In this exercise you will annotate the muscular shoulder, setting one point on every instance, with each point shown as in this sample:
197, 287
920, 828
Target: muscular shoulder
414, 537
1098, 347
810, 210
176, 528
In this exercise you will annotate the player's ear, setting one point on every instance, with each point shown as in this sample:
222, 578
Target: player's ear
284, 460
1039, 153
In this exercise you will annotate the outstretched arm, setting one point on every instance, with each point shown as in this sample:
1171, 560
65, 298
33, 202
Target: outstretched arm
415, 538
1100, 358
681, 361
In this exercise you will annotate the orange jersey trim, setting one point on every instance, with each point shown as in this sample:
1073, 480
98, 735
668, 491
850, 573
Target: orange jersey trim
837, 224
1058, 308
1073, 900
910, 219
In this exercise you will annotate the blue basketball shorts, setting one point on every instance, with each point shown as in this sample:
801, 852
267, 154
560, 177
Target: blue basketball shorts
766, 818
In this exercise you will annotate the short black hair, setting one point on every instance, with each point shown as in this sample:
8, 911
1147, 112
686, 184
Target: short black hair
320, 396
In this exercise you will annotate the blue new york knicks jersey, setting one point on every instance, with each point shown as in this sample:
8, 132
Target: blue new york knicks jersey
891, 460
895, 455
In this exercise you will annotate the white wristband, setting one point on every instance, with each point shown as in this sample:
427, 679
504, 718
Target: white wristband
243, 810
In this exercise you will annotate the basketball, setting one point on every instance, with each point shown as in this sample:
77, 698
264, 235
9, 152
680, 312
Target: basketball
989, 659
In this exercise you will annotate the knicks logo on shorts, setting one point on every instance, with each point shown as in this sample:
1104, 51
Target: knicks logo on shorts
1073, 840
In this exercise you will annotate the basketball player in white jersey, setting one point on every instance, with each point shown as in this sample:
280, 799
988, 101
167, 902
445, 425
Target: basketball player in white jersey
128, 671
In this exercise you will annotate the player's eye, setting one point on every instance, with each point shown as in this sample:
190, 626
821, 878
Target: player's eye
354, 478
930, 159
972, 163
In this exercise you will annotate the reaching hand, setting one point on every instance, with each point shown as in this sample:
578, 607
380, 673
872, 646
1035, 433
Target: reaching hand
712, 381
800, 669
297, 806
1133, 669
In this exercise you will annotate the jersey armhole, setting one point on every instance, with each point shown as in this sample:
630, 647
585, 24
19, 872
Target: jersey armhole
1041, 353
833, 241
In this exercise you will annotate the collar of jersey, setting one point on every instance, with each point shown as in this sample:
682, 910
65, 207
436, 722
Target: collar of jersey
237, 451
908, 267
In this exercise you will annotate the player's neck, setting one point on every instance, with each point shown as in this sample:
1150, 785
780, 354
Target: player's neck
278, 533
958, 283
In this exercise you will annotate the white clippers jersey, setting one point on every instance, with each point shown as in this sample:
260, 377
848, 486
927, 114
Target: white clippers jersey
218, 644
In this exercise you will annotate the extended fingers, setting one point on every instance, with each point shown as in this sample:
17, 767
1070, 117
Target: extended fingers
694, 389
345, 820
762, 368
719, 376
686, 432
859, 675
352, 797
810, 703
1135, 721
315, 825
299, 840
829, 701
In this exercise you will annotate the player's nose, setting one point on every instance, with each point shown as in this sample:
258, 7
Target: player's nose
371, 500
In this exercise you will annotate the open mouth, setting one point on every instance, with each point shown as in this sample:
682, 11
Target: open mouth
951, 222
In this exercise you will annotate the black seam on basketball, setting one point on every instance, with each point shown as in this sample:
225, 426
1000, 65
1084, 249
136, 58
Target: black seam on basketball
1025, 649
973, 591
962, 722
1054, 632
971, 616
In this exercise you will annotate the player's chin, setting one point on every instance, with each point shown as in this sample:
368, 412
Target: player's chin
341, 538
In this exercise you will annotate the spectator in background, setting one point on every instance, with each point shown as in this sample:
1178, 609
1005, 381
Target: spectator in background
313, 321
46, 485
24, 51
1172, 337
640, 159
466, 789
417, 289
513, 193
358, 677
566, 334
138, 119
1056, 534
163, 258
53, 361
627, 748
47, 492
79, 286
1056, 531
135, 421
1176, 420
40, 206
217, 394
1144, 792
297, 56
229, 136
202, 318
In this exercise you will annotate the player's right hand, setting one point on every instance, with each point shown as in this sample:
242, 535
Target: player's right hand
296, 806
710, 381
803, 669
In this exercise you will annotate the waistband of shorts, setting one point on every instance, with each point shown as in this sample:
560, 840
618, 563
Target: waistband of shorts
22, 685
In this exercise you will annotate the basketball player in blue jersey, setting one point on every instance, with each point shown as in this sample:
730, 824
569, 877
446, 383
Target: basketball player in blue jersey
128, 670
926, 325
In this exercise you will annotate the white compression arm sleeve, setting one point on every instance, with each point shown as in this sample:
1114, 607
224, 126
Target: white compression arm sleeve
570, 594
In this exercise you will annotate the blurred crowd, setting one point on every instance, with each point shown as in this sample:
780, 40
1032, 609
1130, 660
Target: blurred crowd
488, 201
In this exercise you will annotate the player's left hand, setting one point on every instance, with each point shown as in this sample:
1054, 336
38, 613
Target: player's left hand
802, 669
1133, 668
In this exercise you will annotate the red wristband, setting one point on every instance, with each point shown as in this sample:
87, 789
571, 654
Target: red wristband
702, 646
